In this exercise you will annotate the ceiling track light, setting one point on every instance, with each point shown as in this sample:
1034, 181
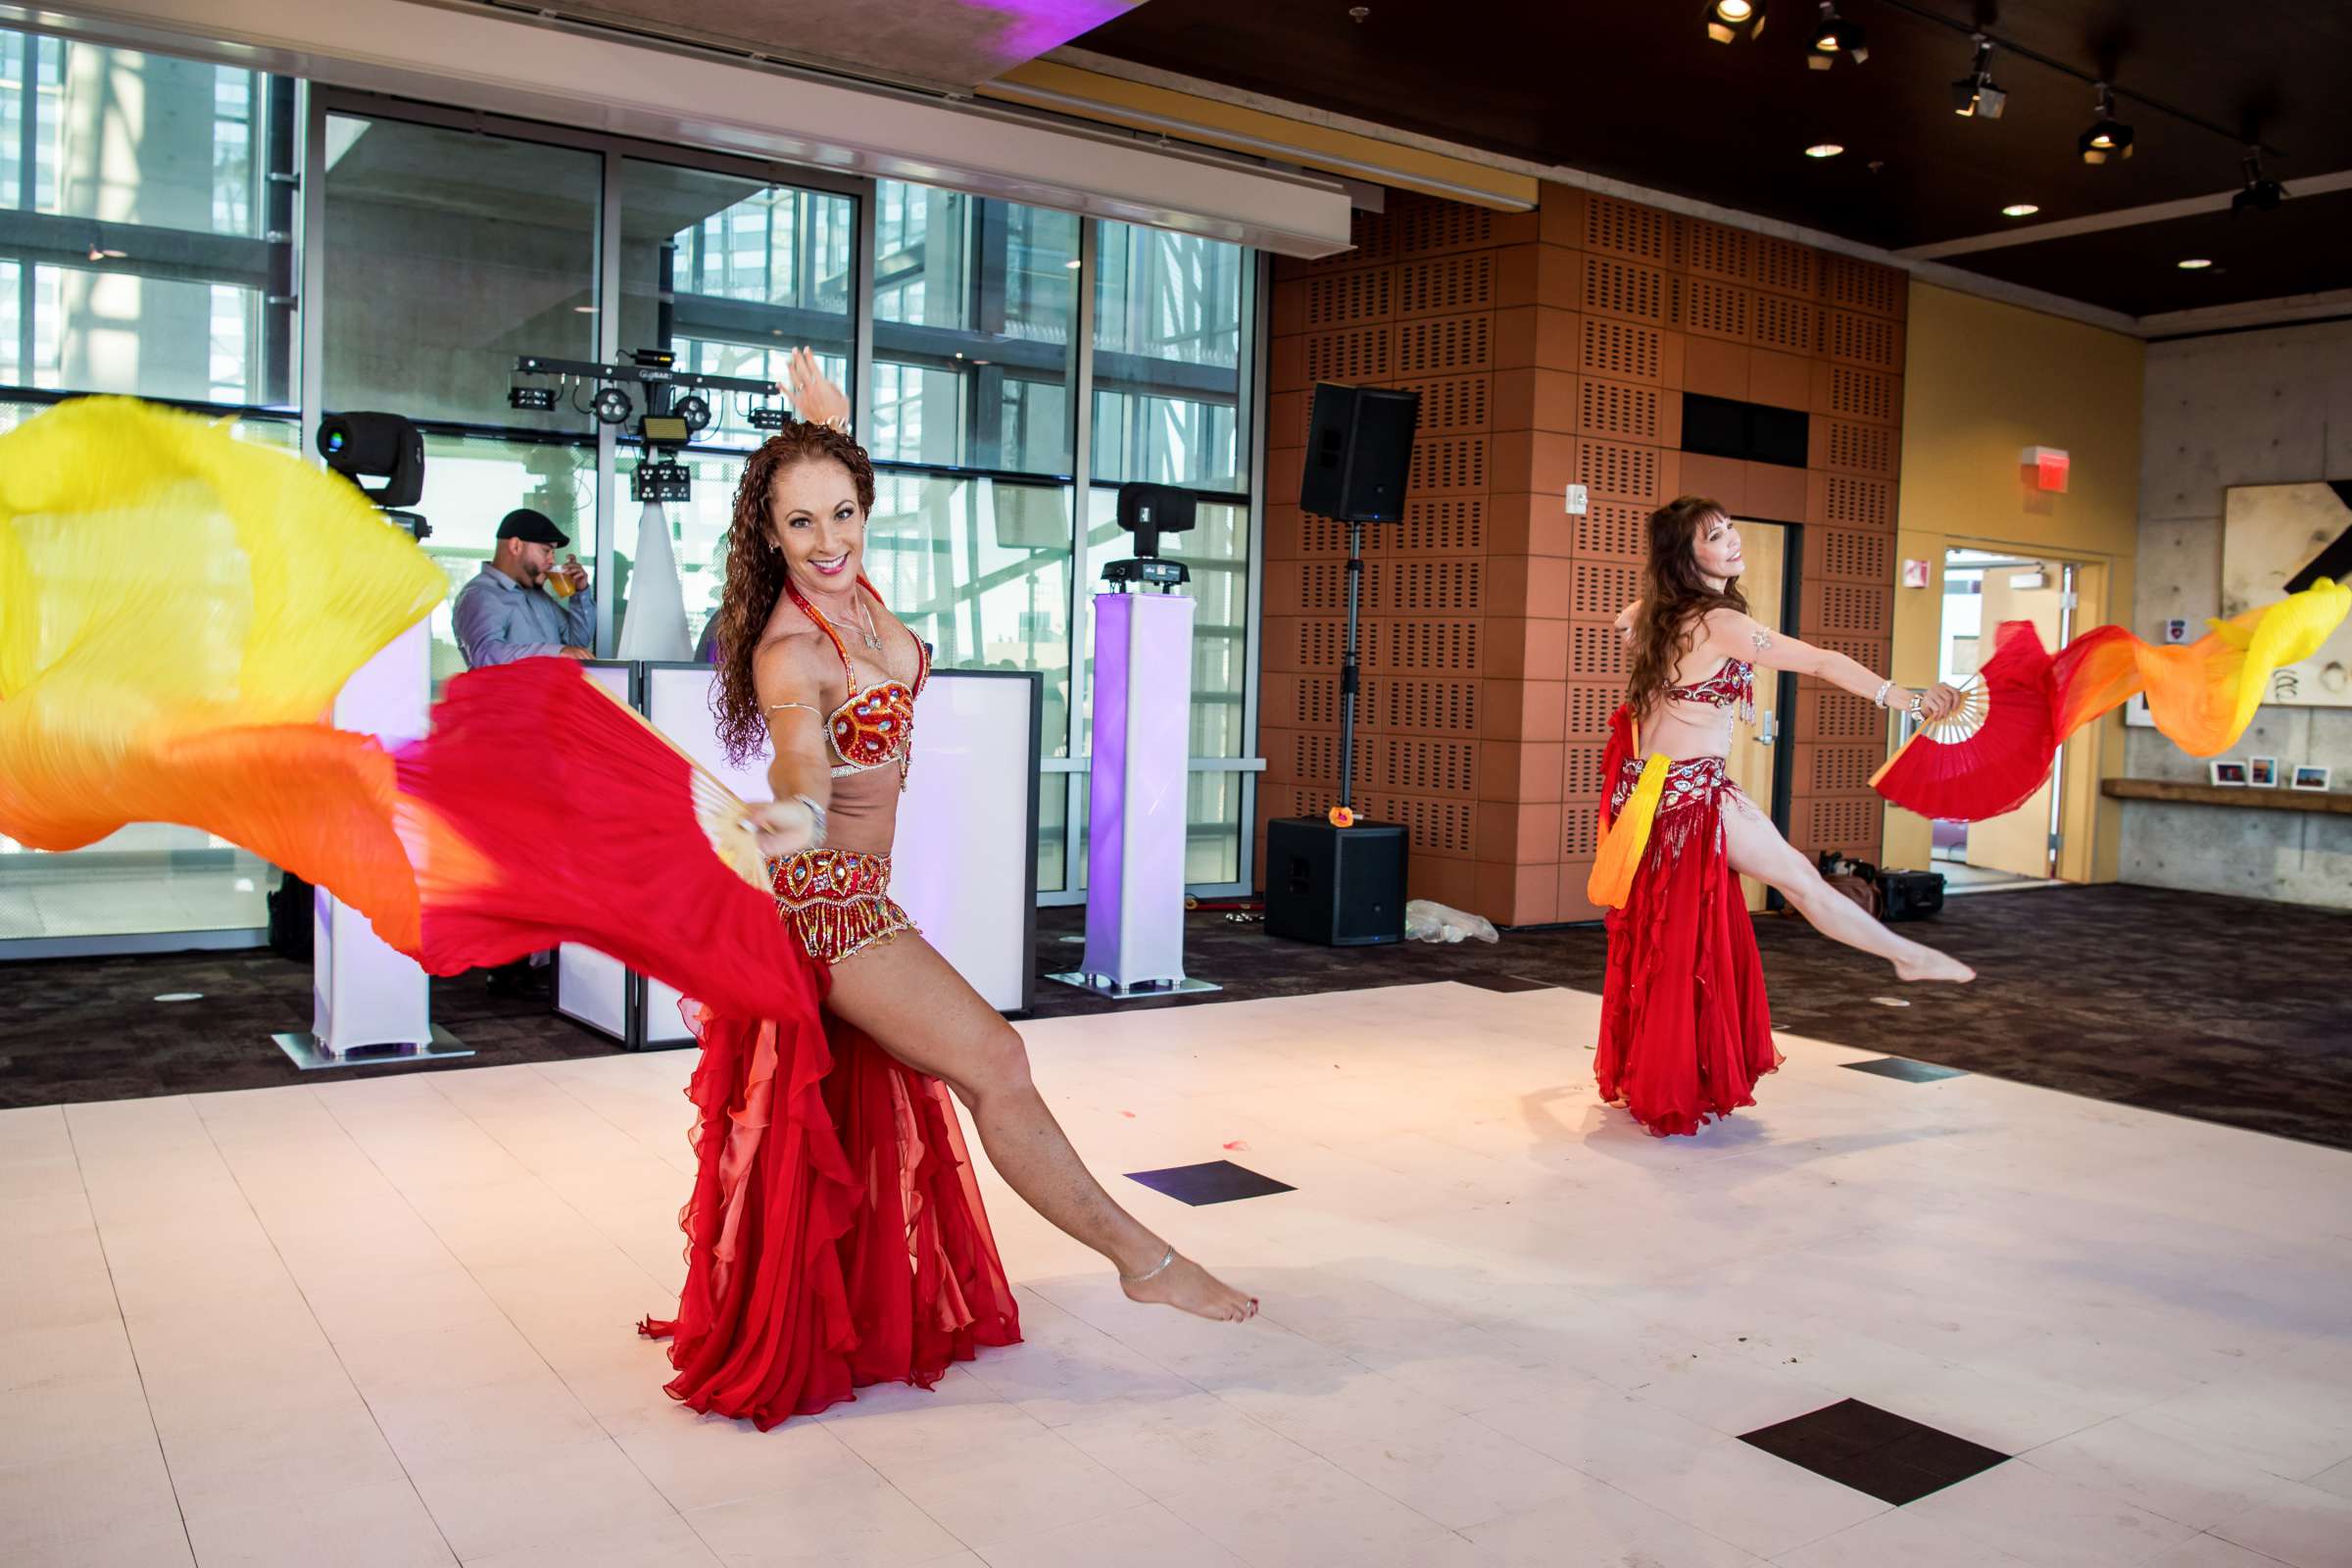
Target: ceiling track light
2262, 193
1833, 37
2108, 137
1974, 95
1730, 21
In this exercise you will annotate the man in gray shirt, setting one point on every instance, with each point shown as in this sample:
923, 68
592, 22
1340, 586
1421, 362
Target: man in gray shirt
511, 609
503, 614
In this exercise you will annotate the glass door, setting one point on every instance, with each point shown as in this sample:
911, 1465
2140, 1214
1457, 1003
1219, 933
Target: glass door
1982, 590
1755, 749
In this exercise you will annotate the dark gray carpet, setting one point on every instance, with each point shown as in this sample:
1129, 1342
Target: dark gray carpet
2225, 1010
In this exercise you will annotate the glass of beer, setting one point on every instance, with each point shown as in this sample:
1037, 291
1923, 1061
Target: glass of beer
559, 583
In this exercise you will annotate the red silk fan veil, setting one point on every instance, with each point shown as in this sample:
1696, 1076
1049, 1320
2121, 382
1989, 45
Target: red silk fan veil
542, 811
1990, 756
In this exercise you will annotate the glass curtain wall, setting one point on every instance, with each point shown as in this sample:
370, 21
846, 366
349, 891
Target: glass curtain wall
145, 206
446, 253
731, 274
149, 209
1169, 393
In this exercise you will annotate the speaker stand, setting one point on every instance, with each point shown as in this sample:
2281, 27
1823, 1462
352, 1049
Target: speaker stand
1347, 666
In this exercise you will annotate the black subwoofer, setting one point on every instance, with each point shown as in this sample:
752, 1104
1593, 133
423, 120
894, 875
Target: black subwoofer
1342, 887
1910, 894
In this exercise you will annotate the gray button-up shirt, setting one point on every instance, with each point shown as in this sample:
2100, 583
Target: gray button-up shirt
499, 620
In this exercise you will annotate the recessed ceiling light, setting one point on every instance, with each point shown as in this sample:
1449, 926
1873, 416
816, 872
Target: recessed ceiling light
2020, 209
181, 996
1071, 264
584, 310
1824, 149
2195, 264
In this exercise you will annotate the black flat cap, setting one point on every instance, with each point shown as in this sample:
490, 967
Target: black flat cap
533, 527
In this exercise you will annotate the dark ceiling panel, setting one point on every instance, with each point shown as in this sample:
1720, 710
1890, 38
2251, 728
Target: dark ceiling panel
1635, 90
2299, 249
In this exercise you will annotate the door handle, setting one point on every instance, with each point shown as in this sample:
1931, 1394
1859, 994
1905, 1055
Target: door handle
1767, 728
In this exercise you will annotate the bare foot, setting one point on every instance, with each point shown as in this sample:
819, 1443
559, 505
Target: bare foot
1934, 965
1189, 1288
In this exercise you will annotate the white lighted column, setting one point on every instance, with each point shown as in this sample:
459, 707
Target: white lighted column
370, 1002
1142, 723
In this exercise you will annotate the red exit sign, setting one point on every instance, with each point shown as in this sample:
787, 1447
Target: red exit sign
2045, 469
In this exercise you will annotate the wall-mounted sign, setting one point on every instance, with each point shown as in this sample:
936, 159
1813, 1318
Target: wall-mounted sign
2045, 469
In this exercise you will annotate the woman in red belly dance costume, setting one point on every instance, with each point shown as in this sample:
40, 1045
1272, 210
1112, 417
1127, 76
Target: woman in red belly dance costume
1684, 1029
836, 1236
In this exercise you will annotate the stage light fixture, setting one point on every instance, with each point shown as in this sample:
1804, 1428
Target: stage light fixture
1975, 96
1729, 21
1824, 149
540, 399
2194, 264
661, 478
1835, 36
695, 410
767, 418
2108, 137
2020, 209
2262, 193
612, 406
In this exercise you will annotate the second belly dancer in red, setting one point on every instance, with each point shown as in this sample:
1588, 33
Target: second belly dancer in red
1684, 1029
836, 1236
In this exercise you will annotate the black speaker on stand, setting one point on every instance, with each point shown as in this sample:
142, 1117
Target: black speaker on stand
1345, 886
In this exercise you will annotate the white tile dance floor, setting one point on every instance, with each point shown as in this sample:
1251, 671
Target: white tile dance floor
389, 1322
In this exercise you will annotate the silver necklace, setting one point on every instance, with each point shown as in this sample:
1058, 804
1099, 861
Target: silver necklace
873, 638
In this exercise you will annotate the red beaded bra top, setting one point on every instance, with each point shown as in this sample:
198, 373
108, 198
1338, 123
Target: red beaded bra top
876, 726
1732, 685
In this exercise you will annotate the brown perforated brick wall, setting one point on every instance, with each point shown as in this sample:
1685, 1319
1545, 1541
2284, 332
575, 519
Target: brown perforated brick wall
1551, 348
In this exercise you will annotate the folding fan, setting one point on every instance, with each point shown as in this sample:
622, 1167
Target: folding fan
1988, 755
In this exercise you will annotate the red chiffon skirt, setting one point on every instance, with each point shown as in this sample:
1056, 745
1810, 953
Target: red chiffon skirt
1685, 1027
835, 1236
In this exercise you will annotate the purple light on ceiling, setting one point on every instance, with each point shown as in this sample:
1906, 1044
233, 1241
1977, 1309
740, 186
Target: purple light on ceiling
1030, 27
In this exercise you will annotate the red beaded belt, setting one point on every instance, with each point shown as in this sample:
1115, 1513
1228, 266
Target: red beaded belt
838, 901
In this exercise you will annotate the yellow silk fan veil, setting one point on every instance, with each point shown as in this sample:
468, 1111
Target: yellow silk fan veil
178, 611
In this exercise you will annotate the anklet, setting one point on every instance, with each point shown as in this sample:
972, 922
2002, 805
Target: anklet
1155, 1273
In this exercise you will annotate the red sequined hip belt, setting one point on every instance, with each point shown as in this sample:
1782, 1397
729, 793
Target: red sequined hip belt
1694, 781
837, 902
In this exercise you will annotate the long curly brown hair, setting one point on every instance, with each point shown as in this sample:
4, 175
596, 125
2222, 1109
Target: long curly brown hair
1675, 594
757, 570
